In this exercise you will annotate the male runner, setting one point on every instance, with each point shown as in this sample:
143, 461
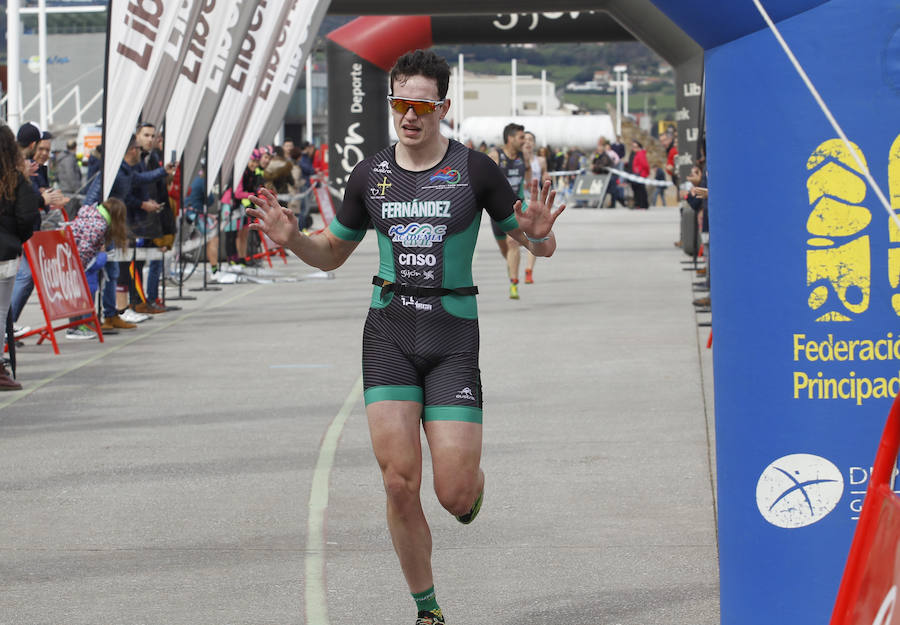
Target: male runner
424, 197
518, 174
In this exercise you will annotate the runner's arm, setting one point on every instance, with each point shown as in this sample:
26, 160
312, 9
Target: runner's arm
324, 251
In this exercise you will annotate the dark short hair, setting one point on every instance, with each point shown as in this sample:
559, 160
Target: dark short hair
511, 129
28, 133
423, 63
46, 136
146, 125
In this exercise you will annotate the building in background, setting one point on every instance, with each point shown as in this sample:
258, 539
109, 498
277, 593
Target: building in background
488, 96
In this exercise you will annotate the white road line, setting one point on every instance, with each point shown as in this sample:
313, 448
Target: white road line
315, 591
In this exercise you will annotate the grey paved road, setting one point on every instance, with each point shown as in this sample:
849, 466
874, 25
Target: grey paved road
214, 466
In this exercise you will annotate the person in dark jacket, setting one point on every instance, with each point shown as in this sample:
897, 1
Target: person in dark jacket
18, 216
34, 146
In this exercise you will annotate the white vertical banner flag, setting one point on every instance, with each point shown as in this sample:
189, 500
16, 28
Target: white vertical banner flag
196, 66
240, 86
211, 76
287, 80
138, 30
173, 54
281, 77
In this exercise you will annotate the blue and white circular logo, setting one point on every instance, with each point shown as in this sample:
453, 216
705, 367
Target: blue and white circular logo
798, 490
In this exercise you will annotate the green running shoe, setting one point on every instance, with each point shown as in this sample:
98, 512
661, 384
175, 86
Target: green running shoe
430, 617
469, 516
513, 291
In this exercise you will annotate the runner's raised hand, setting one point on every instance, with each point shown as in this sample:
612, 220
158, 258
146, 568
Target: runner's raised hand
538, 219
274, 220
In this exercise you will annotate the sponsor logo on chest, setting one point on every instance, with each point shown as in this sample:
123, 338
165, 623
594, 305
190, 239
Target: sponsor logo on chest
416, 234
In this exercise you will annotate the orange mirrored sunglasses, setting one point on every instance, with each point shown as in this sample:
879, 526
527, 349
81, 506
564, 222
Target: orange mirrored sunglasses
421, 107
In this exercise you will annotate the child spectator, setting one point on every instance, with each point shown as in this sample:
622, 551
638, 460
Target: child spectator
94, 228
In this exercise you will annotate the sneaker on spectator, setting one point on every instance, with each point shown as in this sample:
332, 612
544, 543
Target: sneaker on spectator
20, 330
131, 316
81, 333
116, 323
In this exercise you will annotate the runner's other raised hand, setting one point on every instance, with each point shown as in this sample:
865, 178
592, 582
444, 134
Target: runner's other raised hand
537, 221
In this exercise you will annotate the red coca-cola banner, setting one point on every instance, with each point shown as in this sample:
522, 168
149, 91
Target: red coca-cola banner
60, 282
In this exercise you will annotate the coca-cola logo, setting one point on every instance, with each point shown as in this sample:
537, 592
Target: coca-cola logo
61, 275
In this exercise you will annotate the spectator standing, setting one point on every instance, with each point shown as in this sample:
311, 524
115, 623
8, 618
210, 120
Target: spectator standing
618, 147
575, 161
658, 192
18, 217
604, 159
49, 214
197, 205
698, 199
93, 164
639, 167
307, 171
52, 216
251, 180
68, 171
162, 231
287, 150
69, 176
671, 153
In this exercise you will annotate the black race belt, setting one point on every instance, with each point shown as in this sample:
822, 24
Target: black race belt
420, 291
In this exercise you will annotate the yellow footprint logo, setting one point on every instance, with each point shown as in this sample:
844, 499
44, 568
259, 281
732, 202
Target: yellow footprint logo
894, 252
838, 265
